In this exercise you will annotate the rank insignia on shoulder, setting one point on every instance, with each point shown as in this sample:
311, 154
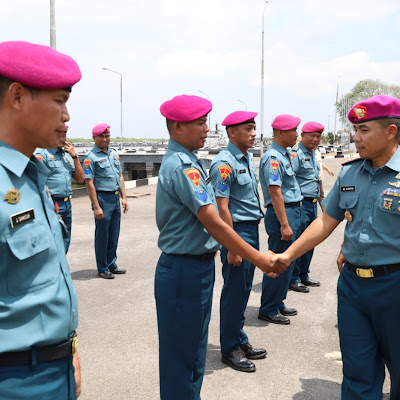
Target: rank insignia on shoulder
12, 196
208, 180
39, 157
275, 164
194, 175
22, 217
201, 195
222, 186
274, 176
224, 170
242, 171
348, 216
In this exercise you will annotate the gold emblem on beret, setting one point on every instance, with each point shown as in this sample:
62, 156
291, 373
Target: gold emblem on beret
360, 113
12, 196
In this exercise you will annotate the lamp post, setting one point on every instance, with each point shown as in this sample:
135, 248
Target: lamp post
337, 94
262, 79
209, 114
52, 25
243, 103
120, 75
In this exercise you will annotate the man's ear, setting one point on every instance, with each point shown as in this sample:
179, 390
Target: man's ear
16, 95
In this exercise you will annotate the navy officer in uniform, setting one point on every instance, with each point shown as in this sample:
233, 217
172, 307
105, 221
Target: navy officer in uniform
105, 185
233, 176
63, 164
282, 198
190, 229
38, 302
367, 195
306, 168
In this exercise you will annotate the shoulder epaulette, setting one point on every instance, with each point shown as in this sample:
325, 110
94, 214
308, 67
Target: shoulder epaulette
353, 160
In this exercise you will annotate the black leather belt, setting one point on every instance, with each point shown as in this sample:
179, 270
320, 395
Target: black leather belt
294, 204
63, 199
43, 354
107, 191
365, 272
311, 199
201, 257
247, 222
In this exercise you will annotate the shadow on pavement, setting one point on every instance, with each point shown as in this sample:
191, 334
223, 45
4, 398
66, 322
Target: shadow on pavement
84, 275
257, 288
251, 315
213, 362
318, 389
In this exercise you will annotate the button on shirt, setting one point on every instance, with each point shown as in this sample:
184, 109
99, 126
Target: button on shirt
61, 169
104, 168
372, 197
276, 169
38, 302
181, 190
233, 175
306, 168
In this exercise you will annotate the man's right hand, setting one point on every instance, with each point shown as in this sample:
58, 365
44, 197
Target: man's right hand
98, 213
269, 266
286, 232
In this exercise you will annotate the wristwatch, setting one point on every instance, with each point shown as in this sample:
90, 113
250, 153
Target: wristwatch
75, 156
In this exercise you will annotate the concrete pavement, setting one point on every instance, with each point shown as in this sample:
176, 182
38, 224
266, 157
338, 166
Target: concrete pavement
118, 326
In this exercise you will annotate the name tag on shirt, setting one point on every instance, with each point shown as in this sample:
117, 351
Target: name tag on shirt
22, 217
242, 171
347, 188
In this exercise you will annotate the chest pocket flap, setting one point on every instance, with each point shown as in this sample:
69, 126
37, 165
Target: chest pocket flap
348, 201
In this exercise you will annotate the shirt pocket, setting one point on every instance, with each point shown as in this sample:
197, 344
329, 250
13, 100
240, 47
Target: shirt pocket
387, 214
28, 266
348, 202
54, 164
104, 168
309, 170
244, 187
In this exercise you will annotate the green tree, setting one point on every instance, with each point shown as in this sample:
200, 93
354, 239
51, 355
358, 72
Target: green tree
363, 90
328, 138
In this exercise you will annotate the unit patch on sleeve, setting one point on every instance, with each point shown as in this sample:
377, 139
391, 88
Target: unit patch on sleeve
194, 175
274, 164
39, 157
224, 170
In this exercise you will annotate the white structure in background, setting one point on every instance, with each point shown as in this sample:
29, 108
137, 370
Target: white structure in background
216, 139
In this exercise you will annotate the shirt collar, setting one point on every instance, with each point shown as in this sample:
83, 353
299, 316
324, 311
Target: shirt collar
304, 149
12, 159
175, 146
393, 163
99, 150
236, 152
279, 148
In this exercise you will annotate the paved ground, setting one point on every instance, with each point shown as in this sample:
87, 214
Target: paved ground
118, 327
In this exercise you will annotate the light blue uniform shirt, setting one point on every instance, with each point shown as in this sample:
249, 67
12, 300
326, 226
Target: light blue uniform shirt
233, 176
104, 168
38, 303
61, 169
372, 197
276, 170
181, 190
306, 168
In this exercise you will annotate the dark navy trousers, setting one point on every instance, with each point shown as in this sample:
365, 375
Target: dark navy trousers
107, 232
274, 290
65, 212
369, 331
235, 293
302, 266
183, 293
44, 381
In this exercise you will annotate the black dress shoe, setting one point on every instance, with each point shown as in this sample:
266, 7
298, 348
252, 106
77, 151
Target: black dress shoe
299, 287
106, 275
310, 282
288, 311
237, 360
251, 353
275, 319
118, 271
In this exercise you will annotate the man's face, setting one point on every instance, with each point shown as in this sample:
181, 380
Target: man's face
45, 117
290, 137
310, 140
62, 140
102, 141
194, 134
370, 139
243, 136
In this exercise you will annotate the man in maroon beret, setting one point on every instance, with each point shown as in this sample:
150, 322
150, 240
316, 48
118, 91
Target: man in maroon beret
38, 302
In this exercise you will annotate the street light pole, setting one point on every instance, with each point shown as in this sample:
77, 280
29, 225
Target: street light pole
337, 94
120, 75
243, 103
209, 114
262, 79
52, 25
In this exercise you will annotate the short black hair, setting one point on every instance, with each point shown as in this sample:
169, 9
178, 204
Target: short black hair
6, 82
384, 123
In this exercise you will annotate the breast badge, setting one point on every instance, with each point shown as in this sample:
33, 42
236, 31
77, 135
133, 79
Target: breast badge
12, 196
348, 216
194, 175
387, 204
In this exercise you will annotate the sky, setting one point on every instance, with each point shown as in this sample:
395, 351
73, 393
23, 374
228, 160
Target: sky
211, 48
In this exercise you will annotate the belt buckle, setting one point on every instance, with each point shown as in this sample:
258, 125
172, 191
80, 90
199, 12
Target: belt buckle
75, 342
66, 199
314, 200
116, 192
301, 203
365, 273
